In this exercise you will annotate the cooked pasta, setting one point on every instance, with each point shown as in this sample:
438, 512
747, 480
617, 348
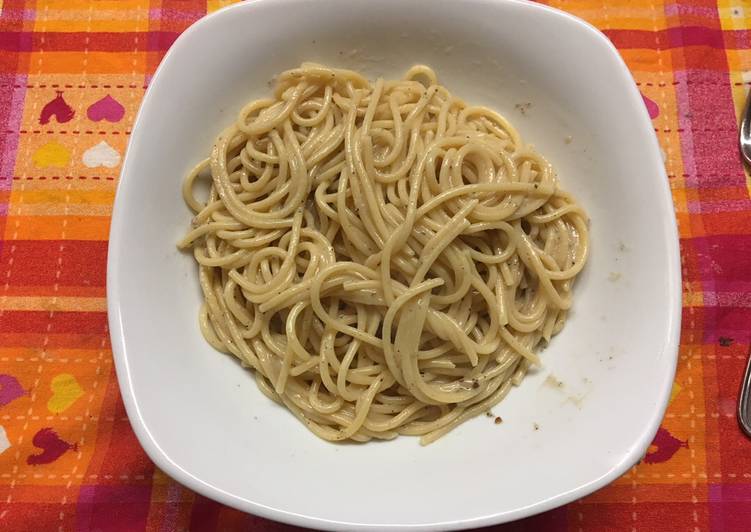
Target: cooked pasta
385, 258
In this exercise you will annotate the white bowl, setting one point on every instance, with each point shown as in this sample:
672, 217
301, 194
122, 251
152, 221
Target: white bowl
200, 416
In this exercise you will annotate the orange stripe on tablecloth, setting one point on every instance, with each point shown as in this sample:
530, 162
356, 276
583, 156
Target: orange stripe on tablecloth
125, 20
54, 341
717, 194
693, 299
134, 18
60, 209
45, 290
60, 194
579, 6
15, 353
50, 228
630, 18
37, 190
658, 489
54, 302
52, 180
96, 62
81, 7
213, 5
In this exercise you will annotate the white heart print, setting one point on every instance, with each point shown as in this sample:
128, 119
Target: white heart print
101, 155
4, 443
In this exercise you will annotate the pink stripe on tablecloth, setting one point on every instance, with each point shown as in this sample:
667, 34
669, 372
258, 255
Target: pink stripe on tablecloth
11, 112
14, 14
695, 207
684, 124
172, 510
738, 299
673, 10
708, 94
161, 13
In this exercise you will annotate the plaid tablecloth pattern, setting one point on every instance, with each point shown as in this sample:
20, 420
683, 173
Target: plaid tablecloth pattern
72, 74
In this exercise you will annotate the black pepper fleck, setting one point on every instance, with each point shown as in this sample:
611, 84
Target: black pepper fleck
725, 341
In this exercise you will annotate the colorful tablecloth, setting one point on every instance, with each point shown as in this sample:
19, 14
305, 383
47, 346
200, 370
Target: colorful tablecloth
72, 74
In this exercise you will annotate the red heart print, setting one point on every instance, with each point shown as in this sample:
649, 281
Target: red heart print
107, 109
666, 446
53, 447
58, 108
10, 389
652, 108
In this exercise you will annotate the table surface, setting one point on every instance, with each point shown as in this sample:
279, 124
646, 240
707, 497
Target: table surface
72, 74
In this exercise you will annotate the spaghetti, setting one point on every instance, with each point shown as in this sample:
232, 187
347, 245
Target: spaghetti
386, 258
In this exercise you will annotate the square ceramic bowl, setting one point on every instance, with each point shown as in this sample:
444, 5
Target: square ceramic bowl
200, 416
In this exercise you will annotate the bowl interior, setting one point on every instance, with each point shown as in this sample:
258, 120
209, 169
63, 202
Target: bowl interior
567, 430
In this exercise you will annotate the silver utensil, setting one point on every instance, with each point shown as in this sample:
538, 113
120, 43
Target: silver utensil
744, 401
745, 131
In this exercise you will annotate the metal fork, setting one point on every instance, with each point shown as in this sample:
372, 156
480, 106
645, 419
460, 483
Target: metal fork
744, 401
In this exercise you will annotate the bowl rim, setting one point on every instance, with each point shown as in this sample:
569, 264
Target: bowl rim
163, 461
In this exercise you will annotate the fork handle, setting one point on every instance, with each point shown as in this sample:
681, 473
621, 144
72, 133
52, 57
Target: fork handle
744, 131
744, 401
